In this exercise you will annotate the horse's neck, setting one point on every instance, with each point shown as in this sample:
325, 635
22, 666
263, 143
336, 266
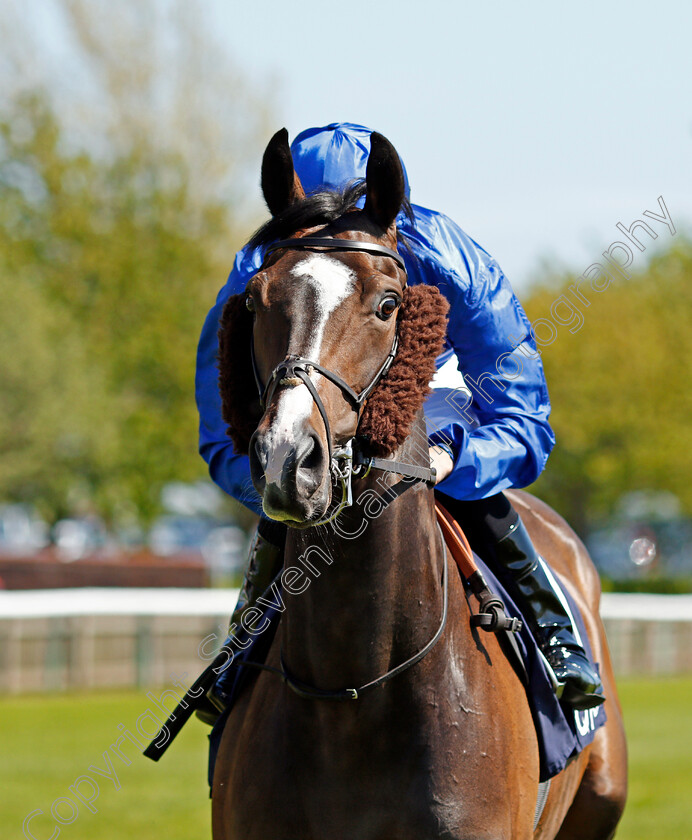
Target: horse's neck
371, 583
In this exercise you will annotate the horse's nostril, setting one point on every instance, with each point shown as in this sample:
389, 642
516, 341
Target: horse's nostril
309, 463
310, 458
261, 454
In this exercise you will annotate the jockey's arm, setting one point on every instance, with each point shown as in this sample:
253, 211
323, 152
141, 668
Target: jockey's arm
230, 471
498, 435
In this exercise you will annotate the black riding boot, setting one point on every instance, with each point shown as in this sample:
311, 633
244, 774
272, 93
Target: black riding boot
579, 683
264, 564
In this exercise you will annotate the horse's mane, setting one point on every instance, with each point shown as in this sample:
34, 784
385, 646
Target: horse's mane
318, 208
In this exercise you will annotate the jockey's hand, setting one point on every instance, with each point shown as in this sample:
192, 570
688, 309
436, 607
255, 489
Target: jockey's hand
441, 461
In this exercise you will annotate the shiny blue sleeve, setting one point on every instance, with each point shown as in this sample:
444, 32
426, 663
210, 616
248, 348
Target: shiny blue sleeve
227, 469
499, 434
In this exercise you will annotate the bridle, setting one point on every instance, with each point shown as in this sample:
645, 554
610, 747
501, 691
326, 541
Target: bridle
345, 462
332, 243
347, 459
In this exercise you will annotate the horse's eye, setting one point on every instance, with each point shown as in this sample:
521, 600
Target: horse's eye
387, 307
249, 303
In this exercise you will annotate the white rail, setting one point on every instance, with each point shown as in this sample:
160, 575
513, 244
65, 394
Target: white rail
53, 640
55, 603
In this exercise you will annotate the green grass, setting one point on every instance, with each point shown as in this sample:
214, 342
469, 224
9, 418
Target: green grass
658, 721
47, 742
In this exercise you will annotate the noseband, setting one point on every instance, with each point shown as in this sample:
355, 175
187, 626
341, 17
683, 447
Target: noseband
347, 460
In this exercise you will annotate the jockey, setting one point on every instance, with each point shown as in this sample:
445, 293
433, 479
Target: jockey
488, 429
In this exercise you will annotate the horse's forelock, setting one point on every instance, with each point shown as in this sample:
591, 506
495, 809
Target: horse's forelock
319, 208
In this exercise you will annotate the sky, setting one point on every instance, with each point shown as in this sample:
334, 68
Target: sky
537, 126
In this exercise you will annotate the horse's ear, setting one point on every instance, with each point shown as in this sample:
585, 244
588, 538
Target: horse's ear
385, 182
281, 186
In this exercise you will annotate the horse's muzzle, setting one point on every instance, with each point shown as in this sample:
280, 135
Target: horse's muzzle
292, 477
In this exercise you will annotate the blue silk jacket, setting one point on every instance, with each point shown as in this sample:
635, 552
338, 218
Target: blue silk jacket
497, 429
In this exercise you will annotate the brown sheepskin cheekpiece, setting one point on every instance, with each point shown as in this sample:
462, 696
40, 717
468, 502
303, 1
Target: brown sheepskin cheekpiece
239, 398
393, 405
391, 408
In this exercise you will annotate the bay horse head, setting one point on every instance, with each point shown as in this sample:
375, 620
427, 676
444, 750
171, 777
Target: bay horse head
327, 344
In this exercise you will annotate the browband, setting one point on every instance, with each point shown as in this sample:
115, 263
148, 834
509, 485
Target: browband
334, 244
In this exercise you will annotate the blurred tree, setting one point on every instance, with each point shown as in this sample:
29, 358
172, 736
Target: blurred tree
104, 291
51, 398
620, 389
149, 75
116, 231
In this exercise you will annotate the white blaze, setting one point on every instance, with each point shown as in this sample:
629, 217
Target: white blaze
331, 282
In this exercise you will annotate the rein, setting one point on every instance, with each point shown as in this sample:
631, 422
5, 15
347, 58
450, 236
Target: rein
309, 692
346, 461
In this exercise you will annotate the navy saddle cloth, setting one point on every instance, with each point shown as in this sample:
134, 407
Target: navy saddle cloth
562, 731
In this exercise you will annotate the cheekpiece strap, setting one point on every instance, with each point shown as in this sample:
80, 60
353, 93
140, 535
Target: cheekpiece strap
428, 475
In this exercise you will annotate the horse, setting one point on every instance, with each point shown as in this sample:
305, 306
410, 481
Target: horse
328, 344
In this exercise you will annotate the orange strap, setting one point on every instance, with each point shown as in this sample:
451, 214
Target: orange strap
456, 541
491, 615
